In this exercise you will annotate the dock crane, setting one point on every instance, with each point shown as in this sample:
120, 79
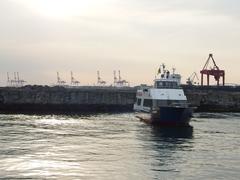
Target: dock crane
20, 82
60, 82
16, 81
119, 82
74, 82
100, 82
215, 71
190, 80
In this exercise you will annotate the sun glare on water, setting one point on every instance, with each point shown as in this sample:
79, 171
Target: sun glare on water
60, 9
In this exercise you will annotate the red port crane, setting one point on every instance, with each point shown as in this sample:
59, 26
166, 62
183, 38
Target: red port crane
215, 71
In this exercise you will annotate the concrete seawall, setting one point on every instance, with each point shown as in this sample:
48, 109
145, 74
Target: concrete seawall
214, 99
44, 99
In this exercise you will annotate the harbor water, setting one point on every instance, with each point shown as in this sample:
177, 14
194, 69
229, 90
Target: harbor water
118, 146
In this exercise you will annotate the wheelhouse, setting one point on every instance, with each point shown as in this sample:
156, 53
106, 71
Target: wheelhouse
160, 84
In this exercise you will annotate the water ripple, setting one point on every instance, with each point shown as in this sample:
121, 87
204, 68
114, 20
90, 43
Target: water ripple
118, 146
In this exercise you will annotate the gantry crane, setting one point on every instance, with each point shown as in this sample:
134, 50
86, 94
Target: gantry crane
215, 71
191, 79
119, 82
74, 82
60, 82
100, 82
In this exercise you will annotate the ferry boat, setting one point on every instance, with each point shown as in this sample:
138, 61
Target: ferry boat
165, 103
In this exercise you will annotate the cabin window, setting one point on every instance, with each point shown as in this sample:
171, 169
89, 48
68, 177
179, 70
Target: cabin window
138, 102
147, 103
166, 84
170, 102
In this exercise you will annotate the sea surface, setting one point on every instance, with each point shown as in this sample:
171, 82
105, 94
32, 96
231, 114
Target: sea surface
118, 146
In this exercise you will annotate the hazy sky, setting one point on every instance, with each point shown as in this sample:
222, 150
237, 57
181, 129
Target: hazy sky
40, 37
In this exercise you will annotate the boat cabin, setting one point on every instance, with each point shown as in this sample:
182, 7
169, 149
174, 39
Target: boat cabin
166, 92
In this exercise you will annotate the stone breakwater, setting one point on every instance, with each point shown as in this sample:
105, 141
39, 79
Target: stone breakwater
213, 98
45, 99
